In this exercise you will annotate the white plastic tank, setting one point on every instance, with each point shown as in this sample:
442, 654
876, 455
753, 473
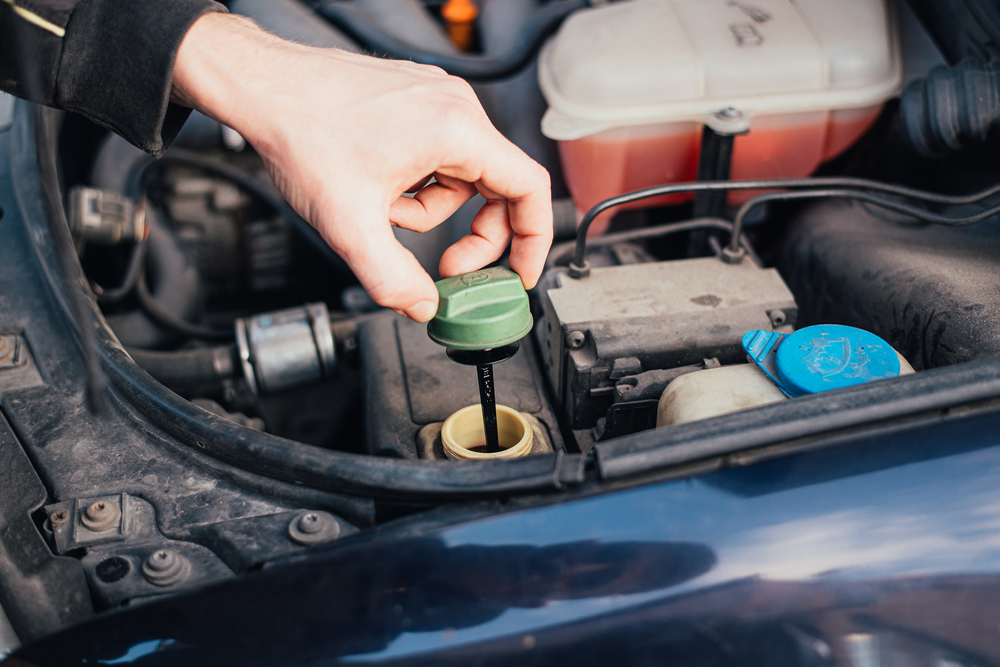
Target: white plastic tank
630, 85
719, 391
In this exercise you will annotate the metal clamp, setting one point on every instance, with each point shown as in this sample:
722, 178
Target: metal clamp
286, 348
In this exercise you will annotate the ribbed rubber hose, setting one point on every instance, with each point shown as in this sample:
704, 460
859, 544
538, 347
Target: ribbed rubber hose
951, 109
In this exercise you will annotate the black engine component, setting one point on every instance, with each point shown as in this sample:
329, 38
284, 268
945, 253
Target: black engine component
410, 382
932, 292
623, 320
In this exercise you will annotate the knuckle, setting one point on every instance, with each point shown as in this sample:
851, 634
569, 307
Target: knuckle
458, 117
463, 88
543, 177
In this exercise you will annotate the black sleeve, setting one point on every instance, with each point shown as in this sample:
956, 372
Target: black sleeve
109, 60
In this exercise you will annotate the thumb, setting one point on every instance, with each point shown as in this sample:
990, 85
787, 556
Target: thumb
390, 273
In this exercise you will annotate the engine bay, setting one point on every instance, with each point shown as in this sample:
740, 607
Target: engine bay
308, 356
261, 354
670, 289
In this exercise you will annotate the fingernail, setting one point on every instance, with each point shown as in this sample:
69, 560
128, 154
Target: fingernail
422, 311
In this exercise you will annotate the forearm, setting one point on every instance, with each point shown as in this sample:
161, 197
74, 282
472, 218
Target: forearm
218, 67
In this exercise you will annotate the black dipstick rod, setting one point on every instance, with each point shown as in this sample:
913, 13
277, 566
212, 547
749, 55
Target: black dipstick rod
483, 360
488, 397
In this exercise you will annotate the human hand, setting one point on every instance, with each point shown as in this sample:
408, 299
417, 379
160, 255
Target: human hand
344, 136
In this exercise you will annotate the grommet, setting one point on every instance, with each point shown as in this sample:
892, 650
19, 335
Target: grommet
166, 567
101, 516
313, 527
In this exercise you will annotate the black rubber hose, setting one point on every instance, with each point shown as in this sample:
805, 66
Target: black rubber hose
176, 289
358, 26
188, 368
171, 322
109, 296
951, 109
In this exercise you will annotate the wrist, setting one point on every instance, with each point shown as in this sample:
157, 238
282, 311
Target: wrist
217, 62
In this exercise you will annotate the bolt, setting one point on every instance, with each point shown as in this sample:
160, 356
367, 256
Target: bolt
59, 518
166, 567
101, 516
312, 528
729, 113
575, 340
777, 318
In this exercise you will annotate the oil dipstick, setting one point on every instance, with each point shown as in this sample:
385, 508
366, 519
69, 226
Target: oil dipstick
481, 316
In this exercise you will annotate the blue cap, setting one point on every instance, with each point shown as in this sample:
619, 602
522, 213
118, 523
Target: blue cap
821, 358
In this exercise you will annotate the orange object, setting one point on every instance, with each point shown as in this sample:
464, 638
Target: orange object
624, 159
460, 17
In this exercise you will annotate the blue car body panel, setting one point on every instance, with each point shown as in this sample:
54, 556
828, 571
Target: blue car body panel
885, 550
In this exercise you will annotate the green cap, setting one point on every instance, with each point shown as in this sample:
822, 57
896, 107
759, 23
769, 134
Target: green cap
481, 310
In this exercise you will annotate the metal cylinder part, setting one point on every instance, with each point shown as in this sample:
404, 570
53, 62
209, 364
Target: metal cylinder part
286, 348
105, 217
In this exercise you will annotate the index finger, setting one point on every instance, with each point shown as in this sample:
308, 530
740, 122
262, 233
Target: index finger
503, 168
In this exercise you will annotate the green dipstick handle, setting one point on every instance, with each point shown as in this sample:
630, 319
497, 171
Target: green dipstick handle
481, 316
481, 310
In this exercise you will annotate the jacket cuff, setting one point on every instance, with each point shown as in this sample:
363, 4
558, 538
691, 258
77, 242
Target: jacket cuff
117, 66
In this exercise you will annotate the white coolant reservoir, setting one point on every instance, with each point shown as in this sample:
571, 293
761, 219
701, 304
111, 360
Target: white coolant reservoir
714, 392
631, 84
812, 360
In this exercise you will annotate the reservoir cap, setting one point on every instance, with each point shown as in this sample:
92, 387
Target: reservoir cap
481, 310
831, 356
821, 358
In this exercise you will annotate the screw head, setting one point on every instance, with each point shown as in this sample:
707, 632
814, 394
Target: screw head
59, 518
729, 113
575, 340
777, 318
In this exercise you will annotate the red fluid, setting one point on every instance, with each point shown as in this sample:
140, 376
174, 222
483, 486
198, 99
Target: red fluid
626, 159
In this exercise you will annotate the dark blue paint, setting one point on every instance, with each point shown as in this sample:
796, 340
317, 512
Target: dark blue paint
882, 548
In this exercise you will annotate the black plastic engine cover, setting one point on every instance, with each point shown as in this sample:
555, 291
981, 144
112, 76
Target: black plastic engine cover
932, 292
410, 382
